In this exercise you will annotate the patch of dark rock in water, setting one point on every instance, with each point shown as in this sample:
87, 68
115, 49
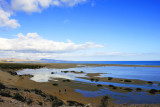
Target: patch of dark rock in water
96, 80
128, 89
153, 91
150, 82
138, 89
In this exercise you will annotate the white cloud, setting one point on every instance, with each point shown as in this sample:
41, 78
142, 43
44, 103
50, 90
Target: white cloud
37, 5
5, 20
32, 42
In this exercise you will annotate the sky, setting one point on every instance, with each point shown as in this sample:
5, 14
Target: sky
80, 30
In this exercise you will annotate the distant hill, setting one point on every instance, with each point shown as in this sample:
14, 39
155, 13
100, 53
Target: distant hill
52, 61
16, 60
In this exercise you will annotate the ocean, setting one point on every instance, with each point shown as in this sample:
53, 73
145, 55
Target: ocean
156, 63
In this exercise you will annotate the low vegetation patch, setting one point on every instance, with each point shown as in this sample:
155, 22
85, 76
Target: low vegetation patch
14, 89
57, 103
40, 103
111, 85
65, 71
52, 72
110, 78
19, 97
39, 92
1, 100
81, 71
12, 73
5, 94
127, 81
74, 103
114, 87
150, 82
96, 80
27, 90
19, 66
104, 101
92, 79
128, 89
67, 80
29, 101
2, 86
99, 85
153, 91
138, 89
55, 84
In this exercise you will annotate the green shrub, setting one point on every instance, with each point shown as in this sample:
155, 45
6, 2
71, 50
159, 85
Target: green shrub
2, 86
27, 90
67, 80
65, 71
81, 71
40, 103
18, 97
127, 81
99, 85
74, 103
110, 78
1, 100
13, 88
150, 82
57, 103
114, 87
96, 80
111, 85
104, 101
39, 92
12, 73
128, 89
55, 84
19, 66
29, 102
138, 89
92, 79
5, 94
153, 91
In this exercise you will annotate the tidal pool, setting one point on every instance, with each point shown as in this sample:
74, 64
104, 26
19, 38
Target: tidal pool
141, 73
121, 98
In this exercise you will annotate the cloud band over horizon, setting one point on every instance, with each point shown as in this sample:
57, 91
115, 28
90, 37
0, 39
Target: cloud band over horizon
32, 42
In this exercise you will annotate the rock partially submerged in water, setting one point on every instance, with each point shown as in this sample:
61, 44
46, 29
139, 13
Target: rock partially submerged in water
96, 80
153, 91
76, 72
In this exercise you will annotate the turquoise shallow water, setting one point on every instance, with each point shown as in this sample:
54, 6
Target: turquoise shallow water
141, 73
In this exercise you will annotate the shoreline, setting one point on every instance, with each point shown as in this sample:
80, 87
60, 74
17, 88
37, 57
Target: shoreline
24, 82
71, 65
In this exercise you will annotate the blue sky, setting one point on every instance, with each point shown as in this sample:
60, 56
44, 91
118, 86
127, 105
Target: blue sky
80, 29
